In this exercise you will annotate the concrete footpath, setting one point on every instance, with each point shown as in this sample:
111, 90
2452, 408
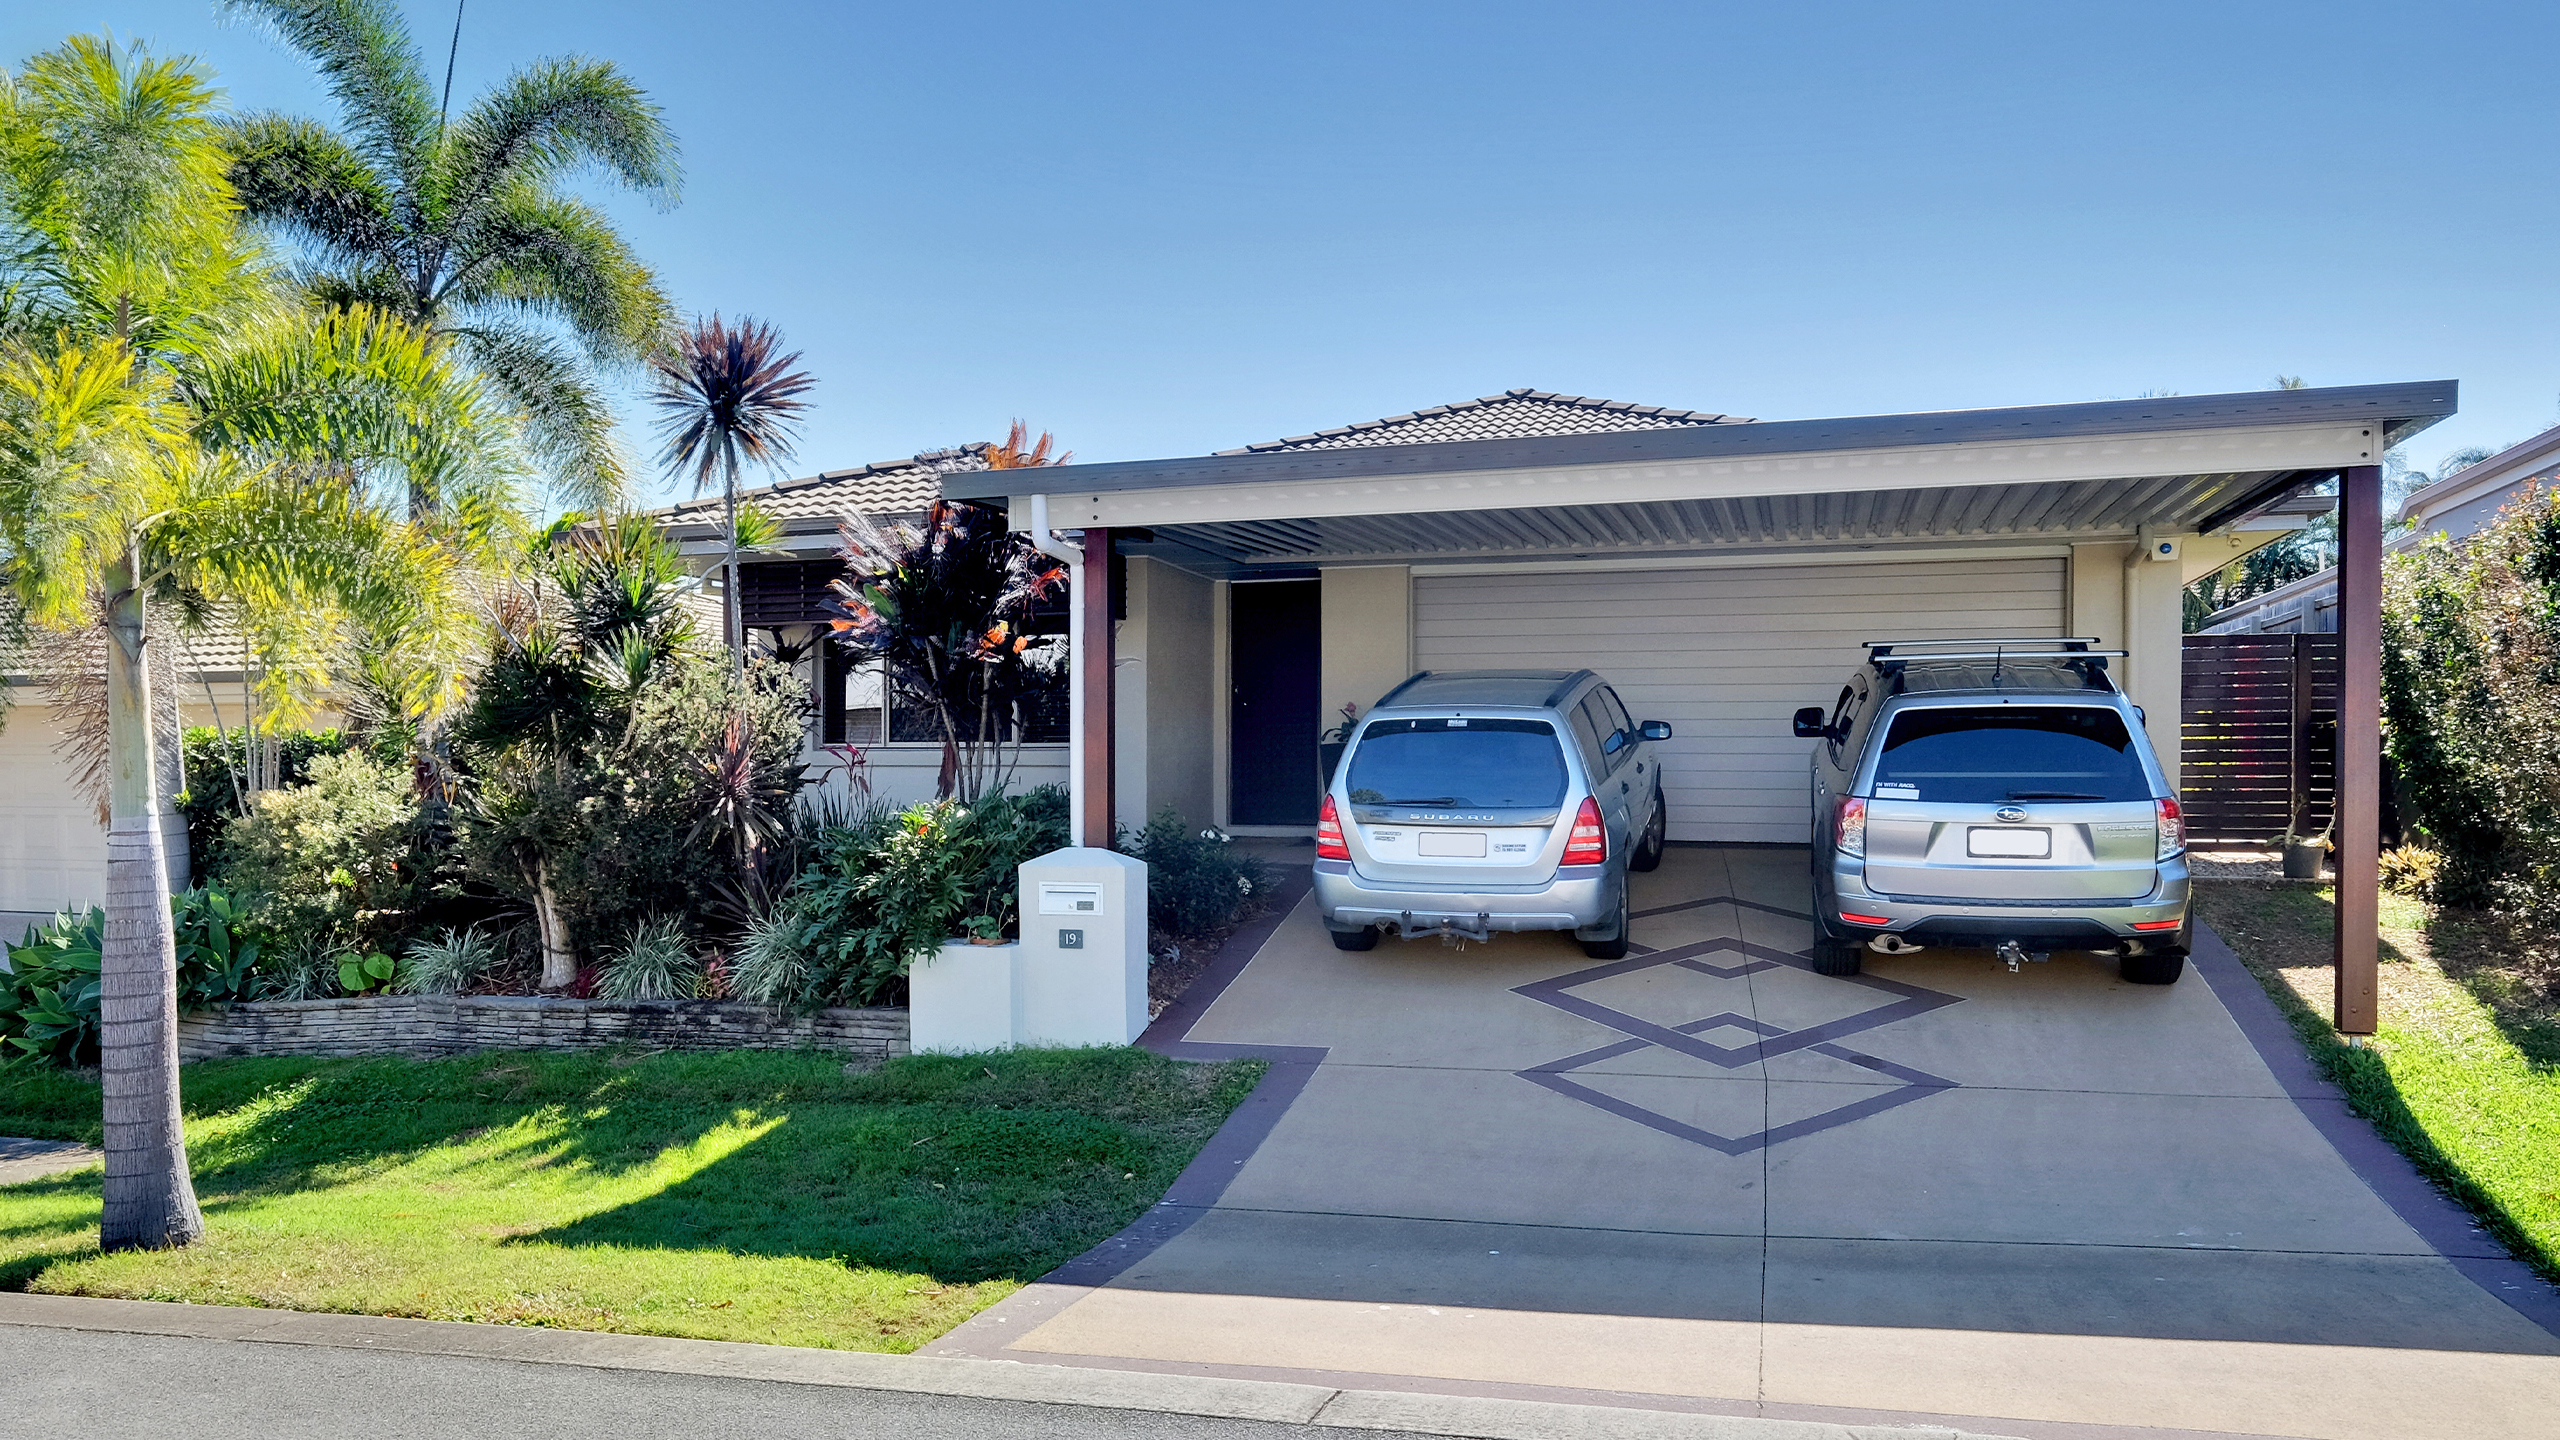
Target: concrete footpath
78, 1366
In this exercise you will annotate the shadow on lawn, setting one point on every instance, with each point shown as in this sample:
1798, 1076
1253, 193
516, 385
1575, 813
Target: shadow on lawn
2512, 971
2292, 927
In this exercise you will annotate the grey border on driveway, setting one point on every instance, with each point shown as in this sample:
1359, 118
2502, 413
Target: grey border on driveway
2441, 1226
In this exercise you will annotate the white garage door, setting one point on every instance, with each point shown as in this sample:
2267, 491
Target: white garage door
1726, 655
53, 852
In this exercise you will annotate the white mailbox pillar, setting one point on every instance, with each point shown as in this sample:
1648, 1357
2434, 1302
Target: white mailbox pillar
1083, 968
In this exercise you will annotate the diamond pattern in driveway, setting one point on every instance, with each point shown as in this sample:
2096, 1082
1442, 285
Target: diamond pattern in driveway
2045, 1204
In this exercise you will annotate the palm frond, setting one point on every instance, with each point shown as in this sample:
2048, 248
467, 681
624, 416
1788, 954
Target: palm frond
566, 424
727, 399
363, 53
305, 181
560, 259
554, 117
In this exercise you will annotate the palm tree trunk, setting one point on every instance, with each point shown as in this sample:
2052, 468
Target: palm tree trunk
150, 1198
559, 957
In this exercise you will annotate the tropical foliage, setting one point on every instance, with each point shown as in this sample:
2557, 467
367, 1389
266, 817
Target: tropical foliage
461, 224
888, 888
49, 993
944, 607
728, 401
2471, 700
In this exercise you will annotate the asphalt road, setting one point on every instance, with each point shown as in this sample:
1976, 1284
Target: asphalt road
67, 1385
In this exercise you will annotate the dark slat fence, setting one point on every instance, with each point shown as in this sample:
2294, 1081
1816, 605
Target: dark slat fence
2259, 733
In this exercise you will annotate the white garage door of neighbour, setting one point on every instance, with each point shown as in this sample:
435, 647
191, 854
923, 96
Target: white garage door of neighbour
1726, 655
53, 852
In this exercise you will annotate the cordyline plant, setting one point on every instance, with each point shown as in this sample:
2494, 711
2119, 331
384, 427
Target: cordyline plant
942, 607
727, 399
171, 426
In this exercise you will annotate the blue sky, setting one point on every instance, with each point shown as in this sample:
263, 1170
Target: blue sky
1167, 229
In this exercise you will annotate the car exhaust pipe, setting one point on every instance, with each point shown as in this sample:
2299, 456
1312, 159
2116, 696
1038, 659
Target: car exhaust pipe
1892, 944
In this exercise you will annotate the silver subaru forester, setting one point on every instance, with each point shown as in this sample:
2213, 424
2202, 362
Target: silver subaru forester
1998, 794
1470, 802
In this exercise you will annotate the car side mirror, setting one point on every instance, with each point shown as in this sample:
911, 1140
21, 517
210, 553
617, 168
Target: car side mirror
1654, 730
1809, 724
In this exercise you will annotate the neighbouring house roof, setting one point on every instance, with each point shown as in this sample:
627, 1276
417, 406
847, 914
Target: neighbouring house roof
1511, 415
889, 487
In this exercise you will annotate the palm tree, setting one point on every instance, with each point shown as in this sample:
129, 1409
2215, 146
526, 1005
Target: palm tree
726, 400
463, 228
173, 428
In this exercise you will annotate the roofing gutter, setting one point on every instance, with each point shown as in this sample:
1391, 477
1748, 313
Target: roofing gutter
2400, 409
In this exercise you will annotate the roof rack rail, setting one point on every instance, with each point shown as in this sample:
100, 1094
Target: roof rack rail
2060, 642
2000, 654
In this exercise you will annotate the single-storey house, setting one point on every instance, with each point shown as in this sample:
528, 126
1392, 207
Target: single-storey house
2457, 506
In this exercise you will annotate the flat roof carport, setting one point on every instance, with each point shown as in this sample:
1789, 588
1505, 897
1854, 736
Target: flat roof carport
1877, 484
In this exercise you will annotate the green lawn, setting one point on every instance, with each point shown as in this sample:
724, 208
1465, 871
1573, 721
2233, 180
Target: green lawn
2464, 1073
736, 1196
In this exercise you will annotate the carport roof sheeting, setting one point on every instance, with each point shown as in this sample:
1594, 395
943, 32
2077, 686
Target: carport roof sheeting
2050, 472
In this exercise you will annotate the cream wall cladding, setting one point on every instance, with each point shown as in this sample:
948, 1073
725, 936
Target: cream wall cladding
1367, 614
1727, 654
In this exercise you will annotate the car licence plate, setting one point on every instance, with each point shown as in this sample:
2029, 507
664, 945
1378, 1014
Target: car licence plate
2009, 843
1450, 844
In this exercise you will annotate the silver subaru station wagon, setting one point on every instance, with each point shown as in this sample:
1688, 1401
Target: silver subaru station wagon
1471, 802
1997, 794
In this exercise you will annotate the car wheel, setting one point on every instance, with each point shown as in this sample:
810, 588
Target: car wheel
1364, 938
1648, 854
1837, 957
1614, 948
2161, 969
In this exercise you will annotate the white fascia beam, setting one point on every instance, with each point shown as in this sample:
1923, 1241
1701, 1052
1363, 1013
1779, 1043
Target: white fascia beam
2222, 451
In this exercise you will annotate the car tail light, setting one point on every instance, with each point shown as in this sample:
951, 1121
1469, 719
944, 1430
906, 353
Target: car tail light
2173, 830
1589, 842
1329, 843
1849, 834
1866, 919
2157, 924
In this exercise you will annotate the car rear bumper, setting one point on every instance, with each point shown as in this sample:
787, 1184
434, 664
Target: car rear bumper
1579, 898
2041, 925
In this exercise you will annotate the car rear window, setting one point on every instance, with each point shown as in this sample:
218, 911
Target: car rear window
1482, 764
1996, 754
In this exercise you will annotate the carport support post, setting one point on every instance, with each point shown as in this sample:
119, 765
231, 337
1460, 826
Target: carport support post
2359, 785
1095, 667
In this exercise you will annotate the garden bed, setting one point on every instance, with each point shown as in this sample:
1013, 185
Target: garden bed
753, 1196
2463, 1074
431, 1025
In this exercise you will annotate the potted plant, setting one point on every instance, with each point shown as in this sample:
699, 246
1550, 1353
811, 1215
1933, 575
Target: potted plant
1331, 744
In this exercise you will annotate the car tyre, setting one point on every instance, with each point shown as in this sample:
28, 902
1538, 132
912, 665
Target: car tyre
1837, 957
1649, 850
2160, 969
1364, 938
1615, 947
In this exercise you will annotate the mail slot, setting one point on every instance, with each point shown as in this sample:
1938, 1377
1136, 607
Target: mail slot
1070, 897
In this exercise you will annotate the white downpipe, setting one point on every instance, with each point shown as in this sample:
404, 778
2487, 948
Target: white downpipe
1050, 543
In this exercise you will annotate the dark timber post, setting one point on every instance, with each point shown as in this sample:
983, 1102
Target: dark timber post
2359, 777
1094, 785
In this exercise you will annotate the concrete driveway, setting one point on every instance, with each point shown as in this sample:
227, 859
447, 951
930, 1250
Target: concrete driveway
2043, 1204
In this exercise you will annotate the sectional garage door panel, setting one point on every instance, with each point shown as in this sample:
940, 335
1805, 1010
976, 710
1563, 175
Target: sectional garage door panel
1726, 655
53, 852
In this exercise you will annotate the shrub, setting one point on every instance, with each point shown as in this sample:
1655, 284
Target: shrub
2411, 870
448, 964
49, 994
335, 860
1197, 883
890, 888
655, 963
211, 801
2471, 698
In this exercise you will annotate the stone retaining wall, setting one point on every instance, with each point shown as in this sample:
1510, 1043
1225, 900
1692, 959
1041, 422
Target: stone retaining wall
453, 1024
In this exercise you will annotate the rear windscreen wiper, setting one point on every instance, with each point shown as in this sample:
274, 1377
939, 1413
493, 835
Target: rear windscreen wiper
2051, 795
